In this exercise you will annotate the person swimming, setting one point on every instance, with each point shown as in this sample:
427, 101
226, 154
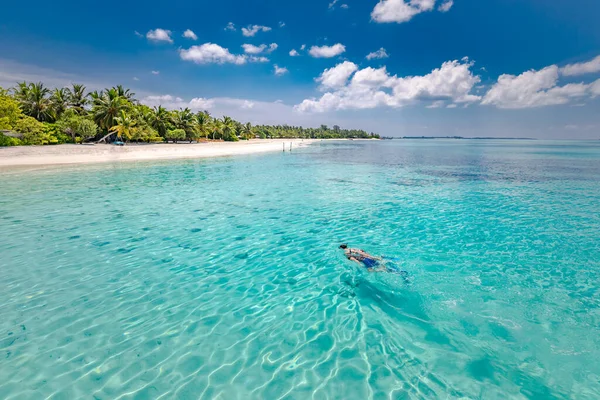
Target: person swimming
371, 263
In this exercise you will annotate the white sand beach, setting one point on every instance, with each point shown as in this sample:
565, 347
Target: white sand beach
69, 154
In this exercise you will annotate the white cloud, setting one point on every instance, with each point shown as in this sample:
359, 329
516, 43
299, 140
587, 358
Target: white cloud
294, 53
138, 34
281, 24
199, 103
159, 35
535, 89
332, 4
190, 34
279, 71
327, 51
155, 72
303, 47
337, 77
436, 104
230, 27
595, 88
344, 6
135, 78
379, 54
589, 67
210, 53
371, 88
252, 30
252, 49
400, 11
446, 6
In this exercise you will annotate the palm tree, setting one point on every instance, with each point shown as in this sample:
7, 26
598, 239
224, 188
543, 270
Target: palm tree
59, 101
161, 120
228, 128
107, 106
247, 131
184, 119
38, 103
125, 93
124, 126
77, 98
203, 123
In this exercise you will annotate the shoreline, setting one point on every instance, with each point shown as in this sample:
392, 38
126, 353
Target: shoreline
73, 154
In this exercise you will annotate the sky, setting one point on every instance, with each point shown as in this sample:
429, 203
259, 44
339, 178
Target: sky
502, 68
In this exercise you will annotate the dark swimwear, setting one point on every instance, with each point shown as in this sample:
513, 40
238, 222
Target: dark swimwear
370, 263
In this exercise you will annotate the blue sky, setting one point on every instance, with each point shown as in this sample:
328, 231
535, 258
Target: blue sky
466, 67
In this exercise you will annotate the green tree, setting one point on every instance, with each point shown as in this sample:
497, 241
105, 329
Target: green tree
76, 98
228, 129
59, 100
203, 123
33, 131
125, 93
184, 119
175, 135
107, 107
247, 131
10, 112
124, 126
78, 127
161, 120
35, 101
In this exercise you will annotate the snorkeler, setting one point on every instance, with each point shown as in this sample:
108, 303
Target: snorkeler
371, 263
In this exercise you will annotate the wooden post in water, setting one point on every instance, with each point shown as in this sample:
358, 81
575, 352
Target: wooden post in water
284, 147
290, 147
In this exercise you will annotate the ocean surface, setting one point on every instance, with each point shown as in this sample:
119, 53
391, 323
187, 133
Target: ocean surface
222, 279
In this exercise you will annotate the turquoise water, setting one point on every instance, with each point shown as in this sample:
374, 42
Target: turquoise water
222, 278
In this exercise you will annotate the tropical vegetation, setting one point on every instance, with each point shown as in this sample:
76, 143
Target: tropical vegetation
33, 114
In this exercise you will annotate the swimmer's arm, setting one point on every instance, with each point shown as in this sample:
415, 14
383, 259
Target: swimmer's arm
354, 259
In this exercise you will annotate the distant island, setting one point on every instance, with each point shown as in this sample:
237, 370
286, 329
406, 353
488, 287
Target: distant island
33, 114
458, 137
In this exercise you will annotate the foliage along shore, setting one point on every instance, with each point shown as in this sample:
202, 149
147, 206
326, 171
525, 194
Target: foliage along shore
32, 114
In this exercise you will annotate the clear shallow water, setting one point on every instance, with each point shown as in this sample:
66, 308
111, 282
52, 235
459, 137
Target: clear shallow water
222, 278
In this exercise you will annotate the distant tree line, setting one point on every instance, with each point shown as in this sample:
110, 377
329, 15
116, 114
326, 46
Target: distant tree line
32, 114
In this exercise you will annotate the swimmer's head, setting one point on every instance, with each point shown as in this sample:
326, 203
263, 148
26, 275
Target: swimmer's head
343, 246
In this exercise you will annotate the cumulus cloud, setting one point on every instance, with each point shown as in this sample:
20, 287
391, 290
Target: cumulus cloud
159, 35
294, 53
210, 53
337, 77
252, 30
303, 47
189, 34
279, 71
589, 67
327, 51
446, 6
252, 49
379, 54
535, 89
230, 27
371, 88
399, 10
